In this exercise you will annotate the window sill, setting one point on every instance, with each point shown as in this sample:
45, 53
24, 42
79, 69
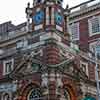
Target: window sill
92, 34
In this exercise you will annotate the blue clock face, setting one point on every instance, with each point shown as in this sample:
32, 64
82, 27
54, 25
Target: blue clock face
59, 18
38, 17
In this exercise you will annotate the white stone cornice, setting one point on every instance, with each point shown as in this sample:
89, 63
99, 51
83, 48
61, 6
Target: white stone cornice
84, 16
88, 9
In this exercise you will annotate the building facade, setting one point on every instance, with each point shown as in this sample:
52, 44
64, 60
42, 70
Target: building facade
51, 56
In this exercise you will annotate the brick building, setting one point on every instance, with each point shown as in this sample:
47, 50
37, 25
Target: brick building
51, 56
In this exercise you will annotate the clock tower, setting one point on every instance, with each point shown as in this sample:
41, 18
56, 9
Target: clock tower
38, 59
50, 54
47, 15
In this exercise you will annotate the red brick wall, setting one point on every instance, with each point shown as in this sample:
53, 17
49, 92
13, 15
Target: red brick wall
51, 54
84, 34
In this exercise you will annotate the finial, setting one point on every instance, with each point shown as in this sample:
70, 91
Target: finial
67, 6
28, 4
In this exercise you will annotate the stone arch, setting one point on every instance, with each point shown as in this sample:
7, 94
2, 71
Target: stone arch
71, 89
34, 93
26, 89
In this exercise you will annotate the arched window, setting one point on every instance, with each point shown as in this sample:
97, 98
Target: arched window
34, 94
6, 96
67, 95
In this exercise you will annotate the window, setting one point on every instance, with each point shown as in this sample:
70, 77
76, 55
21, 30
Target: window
34, 94
84, 67
99, 74
23, 29
25, 43
74, 31
6, 96
1, 51
11, 34
94, 25
74, 46
8, 66
38, 1
30, 41
35, 67
19, 44
92, 48
66, 95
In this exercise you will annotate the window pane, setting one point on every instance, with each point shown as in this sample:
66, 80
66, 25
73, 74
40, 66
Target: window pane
84, 67
8, 67
74, 30
95, 25
19, 44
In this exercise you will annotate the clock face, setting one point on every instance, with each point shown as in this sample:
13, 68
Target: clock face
38, 17
59, 18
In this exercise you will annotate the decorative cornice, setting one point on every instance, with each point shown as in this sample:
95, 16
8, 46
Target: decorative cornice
85, 11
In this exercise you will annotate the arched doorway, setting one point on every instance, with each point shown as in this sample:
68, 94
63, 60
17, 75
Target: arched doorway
30, 92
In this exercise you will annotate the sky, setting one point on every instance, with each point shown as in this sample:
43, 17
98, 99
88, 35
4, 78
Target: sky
14, 10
